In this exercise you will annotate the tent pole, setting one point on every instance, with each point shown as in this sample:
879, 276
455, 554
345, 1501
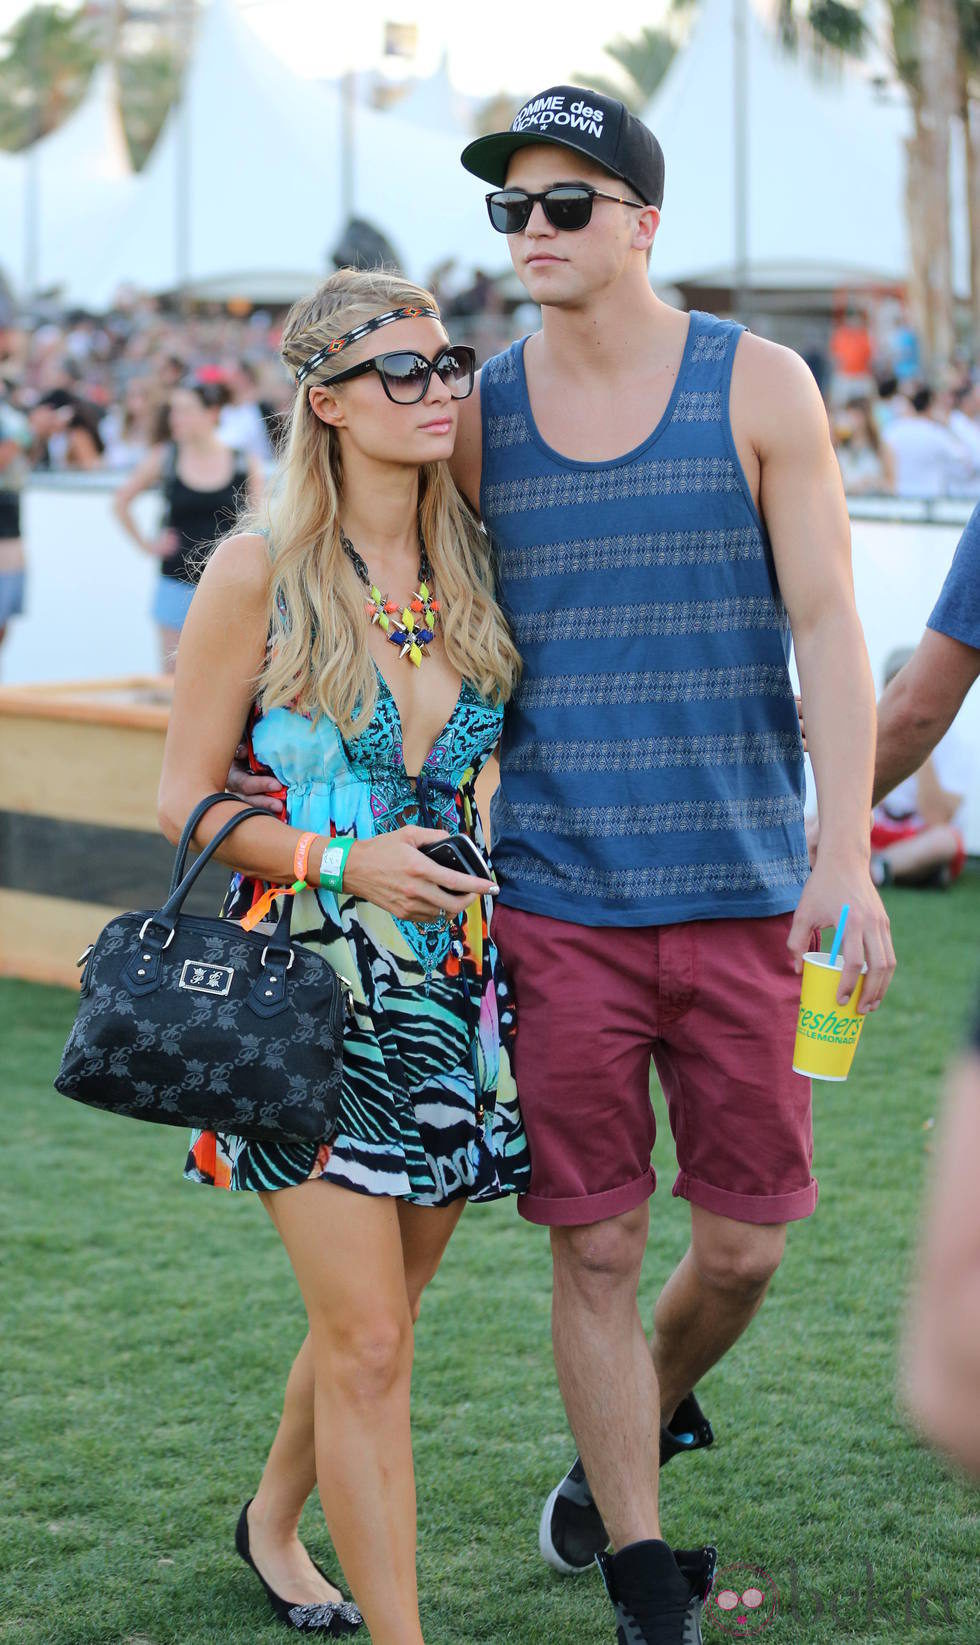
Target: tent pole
32, 173
182, 167
740, 65
348, 99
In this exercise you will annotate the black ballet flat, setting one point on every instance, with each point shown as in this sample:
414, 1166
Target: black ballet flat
335, 1620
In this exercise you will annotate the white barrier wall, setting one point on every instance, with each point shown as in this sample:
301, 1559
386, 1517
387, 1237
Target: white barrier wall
90, 592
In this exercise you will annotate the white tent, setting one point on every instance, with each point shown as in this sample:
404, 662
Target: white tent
12, 218
70, 182
242, 195
436, 105
825, 165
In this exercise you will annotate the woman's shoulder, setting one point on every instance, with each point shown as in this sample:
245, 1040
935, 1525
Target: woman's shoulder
241, 562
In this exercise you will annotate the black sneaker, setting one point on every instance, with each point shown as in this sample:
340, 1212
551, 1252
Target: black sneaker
571, 1532
657, 1594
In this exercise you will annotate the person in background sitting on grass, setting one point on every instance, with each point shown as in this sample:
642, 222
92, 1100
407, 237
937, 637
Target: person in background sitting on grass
914, 838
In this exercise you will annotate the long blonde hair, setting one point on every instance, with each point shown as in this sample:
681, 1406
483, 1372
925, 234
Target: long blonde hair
318, 659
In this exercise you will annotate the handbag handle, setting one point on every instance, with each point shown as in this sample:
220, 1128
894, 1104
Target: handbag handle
169, 913
187, 834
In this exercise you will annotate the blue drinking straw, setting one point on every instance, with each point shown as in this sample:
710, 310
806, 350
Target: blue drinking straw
839, 933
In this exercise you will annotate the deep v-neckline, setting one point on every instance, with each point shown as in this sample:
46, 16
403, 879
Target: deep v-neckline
386, 688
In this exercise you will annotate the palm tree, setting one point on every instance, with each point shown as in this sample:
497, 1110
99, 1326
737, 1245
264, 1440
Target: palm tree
43, 73
968, 73
934, 47
643, 62
48, 57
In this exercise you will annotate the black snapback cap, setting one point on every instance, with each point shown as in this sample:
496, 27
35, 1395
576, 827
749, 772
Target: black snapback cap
592, 124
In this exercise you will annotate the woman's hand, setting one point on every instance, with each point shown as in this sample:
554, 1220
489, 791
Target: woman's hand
163, 546
391, 871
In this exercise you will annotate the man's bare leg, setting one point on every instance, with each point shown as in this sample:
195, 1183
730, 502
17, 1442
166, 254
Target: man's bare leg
712, 1295
605, 1371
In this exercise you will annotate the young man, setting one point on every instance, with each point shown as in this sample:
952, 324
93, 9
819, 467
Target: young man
648, 830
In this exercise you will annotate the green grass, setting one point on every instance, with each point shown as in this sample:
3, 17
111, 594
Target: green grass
147, 1327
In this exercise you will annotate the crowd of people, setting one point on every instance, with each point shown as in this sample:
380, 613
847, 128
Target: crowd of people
896, 433
82, 392
190, 405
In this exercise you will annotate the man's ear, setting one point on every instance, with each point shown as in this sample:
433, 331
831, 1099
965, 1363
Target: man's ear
327, 407
647, 223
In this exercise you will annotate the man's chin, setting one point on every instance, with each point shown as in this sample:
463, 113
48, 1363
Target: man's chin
552, 283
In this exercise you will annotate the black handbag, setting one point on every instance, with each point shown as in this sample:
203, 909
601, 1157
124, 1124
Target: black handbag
192, 1021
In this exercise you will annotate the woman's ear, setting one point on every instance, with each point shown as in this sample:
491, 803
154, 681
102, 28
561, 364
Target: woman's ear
327, 407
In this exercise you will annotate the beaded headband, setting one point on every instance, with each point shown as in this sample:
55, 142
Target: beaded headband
335, 346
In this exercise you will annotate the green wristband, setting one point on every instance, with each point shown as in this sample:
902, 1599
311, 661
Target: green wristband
332, 864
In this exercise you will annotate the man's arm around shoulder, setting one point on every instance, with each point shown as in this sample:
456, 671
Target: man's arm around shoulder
466, 463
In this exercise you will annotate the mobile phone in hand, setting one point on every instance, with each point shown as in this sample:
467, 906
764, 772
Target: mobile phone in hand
459, 854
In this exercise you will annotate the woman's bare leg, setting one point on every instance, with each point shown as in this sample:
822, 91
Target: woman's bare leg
346, 1252
290, 1471
287, 1480
425, 1231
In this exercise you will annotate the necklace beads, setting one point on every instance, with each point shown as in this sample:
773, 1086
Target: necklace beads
411, 627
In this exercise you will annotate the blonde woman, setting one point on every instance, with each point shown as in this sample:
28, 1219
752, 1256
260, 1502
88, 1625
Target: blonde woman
377, 745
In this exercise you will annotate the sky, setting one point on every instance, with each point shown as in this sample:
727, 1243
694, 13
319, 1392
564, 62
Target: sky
513, 46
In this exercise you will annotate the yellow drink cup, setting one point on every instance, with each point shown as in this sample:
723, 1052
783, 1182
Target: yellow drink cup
826, 1033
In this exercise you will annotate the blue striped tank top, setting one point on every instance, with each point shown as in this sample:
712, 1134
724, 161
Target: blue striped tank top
651, 762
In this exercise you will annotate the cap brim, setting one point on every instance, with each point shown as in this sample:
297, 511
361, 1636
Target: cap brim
488, 157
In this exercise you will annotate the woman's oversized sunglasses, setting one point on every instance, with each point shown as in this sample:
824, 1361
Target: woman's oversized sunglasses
406, 375
567, 206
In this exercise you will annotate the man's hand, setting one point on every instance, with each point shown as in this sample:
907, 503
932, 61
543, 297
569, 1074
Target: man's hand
258, 788
867, 937
812, 826
799, 711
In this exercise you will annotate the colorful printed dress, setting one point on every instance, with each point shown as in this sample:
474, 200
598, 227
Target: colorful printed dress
429, 1000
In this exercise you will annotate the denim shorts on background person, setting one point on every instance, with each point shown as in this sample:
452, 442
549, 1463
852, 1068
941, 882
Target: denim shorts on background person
12, 586
171, 602
715, 1004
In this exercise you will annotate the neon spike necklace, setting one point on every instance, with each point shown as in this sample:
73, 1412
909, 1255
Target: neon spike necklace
414, 629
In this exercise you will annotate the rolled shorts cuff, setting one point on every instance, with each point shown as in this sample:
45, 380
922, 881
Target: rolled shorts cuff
747, 1207
584, 1208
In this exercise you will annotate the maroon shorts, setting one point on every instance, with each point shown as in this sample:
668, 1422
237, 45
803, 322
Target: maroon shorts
715, 1004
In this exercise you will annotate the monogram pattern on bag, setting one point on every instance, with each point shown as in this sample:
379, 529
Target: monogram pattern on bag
193, 1058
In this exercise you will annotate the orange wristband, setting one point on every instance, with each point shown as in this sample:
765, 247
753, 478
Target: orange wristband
301, 856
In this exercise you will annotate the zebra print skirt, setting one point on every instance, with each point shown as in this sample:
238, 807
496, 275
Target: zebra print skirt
409, 1124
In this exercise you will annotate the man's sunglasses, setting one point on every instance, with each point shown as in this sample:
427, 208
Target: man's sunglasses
405, 375
567, 205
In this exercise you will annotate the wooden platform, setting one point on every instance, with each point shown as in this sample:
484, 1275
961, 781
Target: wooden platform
79, 842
